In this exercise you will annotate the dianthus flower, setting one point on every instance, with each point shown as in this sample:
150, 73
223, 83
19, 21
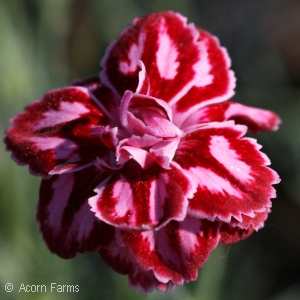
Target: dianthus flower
146, 163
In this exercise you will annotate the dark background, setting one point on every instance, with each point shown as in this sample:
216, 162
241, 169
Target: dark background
45, 44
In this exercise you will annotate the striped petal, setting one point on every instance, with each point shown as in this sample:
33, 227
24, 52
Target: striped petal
57, 130
256, 221
185, 66
102, 96
120, 258
236, 231
134, 198
255, 119
176, 251
231, 235
66, 222
230, 171
167, 47
218, 83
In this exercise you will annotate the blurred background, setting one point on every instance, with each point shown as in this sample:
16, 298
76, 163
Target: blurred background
45, 44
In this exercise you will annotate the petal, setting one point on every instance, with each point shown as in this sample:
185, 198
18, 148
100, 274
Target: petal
147, 115
163, 152
133, 198
120, 258
144, 84
103, 96
231, 235
236, 231
214, 82
107, 135
66, 222
168, 48
56, 130
91, 83
153, 123
70, 167
254, 118
141, 156
230, 172
176, 251
257, 221
108, 164
132, 148
144, 141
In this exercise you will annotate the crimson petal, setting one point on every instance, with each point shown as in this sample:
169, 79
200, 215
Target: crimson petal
231, 235
231, 173
120, 258
66, 222
215, 82
168, 48
255, 119
176, 251
56, 130
235, 231
134, 198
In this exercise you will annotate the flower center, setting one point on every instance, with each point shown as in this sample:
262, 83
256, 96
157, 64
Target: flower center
153, 136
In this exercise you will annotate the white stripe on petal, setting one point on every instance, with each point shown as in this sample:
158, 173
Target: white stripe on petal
68, 111
62, 148
221, 150
124, 201
62, 189
212, 181
158, 194
134, 55
82, 225
167, 54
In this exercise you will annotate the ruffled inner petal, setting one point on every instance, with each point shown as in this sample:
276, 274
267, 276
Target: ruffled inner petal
141, 156
147, 115
164, 151
154, 138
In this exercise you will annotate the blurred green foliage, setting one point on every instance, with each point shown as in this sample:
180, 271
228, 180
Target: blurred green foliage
44, 44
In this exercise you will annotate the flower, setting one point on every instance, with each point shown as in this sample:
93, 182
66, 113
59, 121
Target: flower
147, 164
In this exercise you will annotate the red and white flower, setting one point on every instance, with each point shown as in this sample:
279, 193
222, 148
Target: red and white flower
147, 164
